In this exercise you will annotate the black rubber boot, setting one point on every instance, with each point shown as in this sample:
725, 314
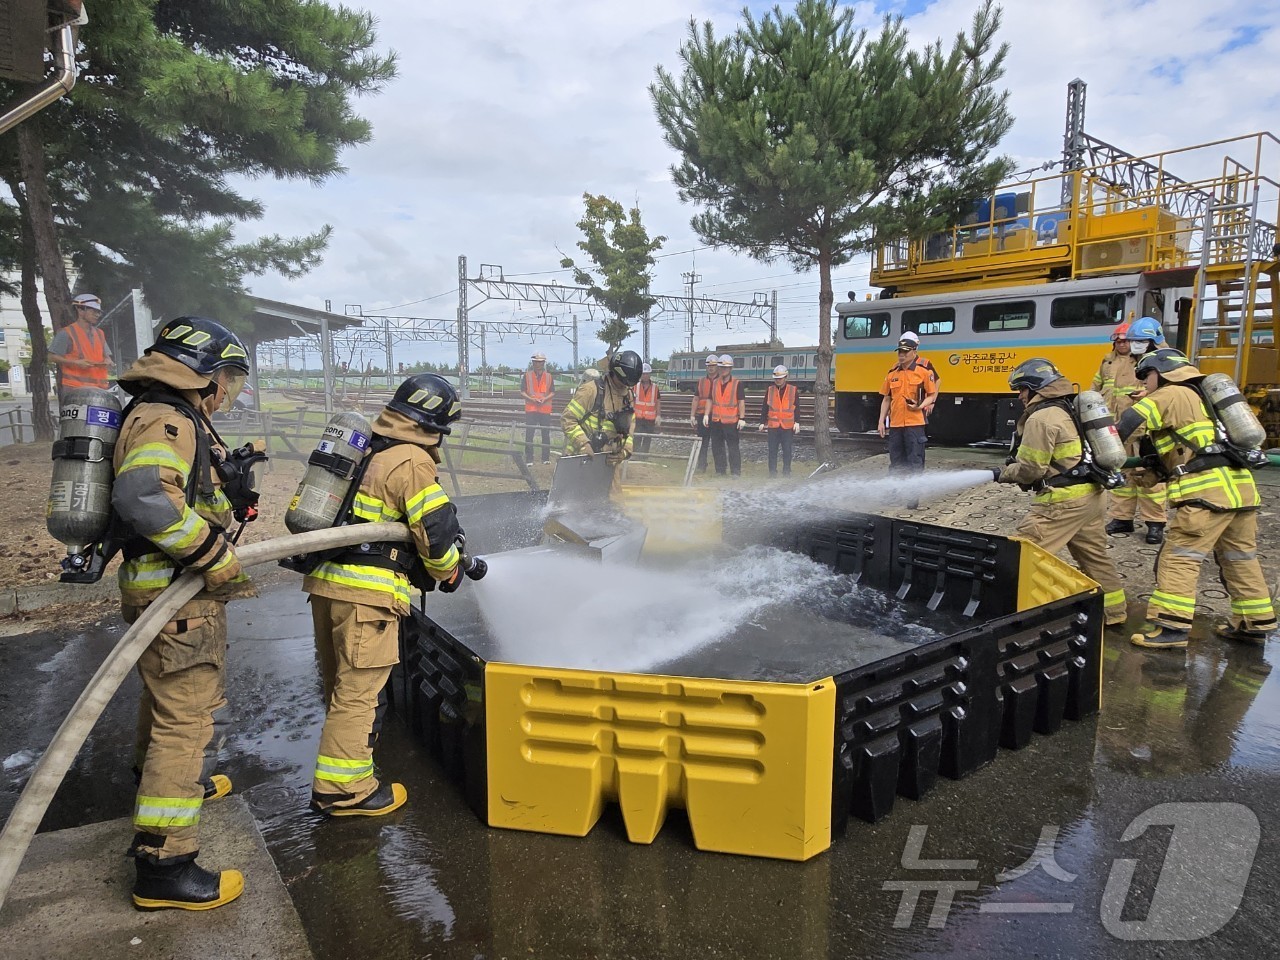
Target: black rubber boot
1155, 533
182, 884
1119, 526
388, 797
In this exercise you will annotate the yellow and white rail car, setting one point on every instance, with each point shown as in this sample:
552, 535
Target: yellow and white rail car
975, 338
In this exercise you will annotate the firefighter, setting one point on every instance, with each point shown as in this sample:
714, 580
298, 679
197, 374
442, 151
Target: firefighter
1142, 495
724, 413
648, 408
1215, 510
1067, 510
358, 597
598, 418
701, 395
538, 389
169, 495
778, 416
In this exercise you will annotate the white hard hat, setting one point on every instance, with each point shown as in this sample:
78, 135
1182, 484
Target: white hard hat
591, 373
539, 356
712, 358
910, 336
646, 368
725, 360
779, 371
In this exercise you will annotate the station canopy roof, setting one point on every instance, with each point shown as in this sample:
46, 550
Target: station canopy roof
275, 320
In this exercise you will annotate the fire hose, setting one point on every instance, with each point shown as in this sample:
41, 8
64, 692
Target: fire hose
57, 759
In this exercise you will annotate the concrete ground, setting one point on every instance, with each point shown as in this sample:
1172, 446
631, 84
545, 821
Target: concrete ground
71, 899
1148, 831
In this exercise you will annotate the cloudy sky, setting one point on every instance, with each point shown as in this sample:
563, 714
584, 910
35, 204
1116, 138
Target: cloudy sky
506, 111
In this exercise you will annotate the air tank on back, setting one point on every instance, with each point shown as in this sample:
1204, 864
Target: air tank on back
1230, 406
1100, 430
330, 469
79, 507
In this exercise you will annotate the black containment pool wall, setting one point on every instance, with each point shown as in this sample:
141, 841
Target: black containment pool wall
764, 768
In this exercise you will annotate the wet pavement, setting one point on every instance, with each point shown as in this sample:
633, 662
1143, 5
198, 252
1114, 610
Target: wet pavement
1197, 732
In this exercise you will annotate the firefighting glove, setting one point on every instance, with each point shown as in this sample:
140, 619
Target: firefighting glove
475, 568
454, 581
995, 473
225, 573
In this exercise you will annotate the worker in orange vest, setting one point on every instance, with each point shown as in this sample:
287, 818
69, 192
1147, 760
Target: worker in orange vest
80, 349
724, 414
701, 396
648, 408
537, 388
778, 416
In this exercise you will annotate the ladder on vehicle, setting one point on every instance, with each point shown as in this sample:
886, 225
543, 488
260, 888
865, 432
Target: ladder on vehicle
1229, 272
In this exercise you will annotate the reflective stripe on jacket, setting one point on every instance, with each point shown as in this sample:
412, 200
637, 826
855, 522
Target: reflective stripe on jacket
400, 484
780, 406
725, 395
537, 385
153, 461
1117, 382
90, 346
1050, 446
584, 416
647, 401
1179, 425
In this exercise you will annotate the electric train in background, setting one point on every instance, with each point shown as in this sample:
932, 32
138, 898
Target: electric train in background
753, 364
1048, 267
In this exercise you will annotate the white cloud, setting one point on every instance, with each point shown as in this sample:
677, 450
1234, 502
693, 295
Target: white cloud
505, 112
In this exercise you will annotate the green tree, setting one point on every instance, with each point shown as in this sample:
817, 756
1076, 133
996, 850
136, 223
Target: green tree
131, 174
804, 138
622, 251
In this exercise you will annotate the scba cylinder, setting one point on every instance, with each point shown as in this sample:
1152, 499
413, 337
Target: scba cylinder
1100, 430
79, 506
1230, 406
330, 469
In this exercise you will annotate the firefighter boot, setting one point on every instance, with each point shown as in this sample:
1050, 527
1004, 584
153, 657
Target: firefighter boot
215, 787
1155, 532
1119, 526
181, 883
1251, 638
388, 797
1155, 637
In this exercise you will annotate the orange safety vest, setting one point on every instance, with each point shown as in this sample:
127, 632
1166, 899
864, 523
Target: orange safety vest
91, 347
537, 384
782, 406
724, 401
646, 405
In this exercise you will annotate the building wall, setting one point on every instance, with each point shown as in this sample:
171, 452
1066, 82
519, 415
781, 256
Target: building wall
15, 347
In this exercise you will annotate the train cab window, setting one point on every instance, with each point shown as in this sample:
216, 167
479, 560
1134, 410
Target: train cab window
994, 317
1093, 310
933, 321
867, 326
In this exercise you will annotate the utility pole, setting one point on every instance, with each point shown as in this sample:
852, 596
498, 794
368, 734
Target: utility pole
691, 278
463, 333
391, 366
484, 356
575, 344
773, 318
1073, 139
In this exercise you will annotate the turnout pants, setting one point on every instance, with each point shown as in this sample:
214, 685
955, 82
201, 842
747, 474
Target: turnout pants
1134, 501
724, 442
534, 421
643, 427
1231, 538
1077, 525
356, 646
780, 437
182, 724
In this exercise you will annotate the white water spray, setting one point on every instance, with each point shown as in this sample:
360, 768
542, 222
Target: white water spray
565, 610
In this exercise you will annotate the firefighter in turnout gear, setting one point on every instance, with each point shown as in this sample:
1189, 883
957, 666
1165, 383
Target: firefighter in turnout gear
358, 596
1068, 509
1214, 502
1143, 495
169, 496
598, 418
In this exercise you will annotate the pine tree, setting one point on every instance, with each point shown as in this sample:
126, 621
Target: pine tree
802, 137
